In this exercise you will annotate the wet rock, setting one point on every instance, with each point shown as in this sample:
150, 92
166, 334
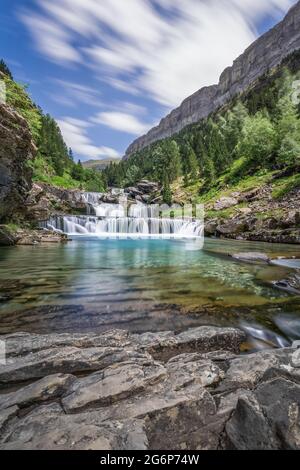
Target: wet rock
291, 284
7, 236
251, 257
225, 203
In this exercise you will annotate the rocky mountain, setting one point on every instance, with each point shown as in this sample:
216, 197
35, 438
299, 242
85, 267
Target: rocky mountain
263, 55
99, 164
16, 151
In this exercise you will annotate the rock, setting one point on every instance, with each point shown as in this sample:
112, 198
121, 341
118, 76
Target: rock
245, 210
247, 371
283, 420
185, 369
232, 228
6, 415
196, 396
16, 151
7, 236
251, 257
249, 195
248, 428
225, 203
22, 344
59, 360
48, 428
211, 228
264, 54
163, 346
113, 384
291, 284
50, 387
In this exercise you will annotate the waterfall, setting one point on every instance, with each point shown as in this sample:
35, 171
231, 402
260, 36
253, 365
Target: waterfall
138, 220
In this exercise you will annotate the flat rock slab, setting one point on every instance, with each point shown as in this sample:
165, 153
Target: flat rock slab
160, 391
113, 384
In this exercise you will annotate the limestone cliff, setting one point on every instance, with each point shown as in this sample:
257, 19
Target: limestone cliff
263, 55
16, 150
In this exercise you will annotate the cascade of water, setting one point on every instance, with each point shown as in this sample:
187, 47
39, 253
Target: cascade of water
113, 219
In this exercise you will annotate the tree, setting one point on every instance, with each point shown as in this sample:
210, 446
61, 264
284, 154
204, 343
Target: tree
258, 140
4, 69
132, 175
166, 190
78, 172
189, 164
288, 128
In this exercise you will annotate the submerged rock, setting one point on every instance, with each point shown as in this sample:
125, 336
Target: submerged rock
251, 257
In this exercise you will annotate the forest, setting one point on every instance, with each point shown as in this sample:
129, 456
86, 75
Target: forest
256, 132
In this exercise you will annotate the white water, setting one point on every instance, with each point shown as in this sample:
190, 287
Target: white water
139, 220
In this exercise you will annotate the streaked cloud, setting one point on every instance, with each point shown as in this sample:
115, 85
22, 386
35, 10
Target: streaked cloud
75, 135
167, 49
123, 122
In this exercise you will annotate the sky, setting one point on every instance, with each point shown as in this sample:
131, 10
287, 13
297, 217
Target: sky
109, 70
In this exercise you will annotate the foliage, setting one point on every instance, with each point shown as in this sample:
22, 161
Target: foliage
18, 98
251, 138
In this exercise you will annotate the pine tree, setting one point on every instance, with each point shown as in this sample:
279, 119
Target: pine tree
4, 69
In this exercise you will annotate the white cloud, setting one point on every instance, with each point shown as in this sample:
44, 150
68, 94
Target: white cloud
123, 122
75, 135
136, 47
71, 94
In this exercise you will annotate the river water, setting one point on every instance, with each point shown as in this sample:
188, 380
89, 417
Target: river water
94, 284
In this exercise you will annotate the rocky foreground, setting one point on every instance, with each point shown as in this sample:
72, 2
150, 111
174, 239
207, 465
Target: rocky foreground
152, 391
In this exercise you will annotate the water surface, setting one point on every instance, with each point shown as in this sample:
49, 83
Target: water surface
142, 285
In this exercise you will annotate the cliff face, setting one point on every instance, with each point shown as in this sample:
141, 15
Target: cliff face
264, 54
16, 150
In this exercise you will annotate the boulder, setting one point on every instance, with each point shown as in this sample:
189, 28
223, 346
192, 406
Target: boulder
225, 203
232, 228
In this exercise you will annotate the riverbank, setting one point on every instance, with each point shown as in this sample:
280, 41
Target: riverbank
124, 391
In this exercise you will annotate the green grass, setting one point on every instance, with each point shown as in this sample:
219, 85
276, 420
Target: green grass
285, 186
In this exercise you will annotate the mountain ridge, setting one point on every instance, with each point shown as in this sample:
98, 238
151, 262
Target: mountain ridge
264, 54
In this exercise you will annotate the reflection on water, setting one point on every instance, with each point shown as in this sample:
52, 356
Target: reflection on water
144, 285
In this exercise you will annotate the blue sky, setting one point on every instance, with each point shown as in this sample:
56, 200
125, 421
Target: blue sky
108, 70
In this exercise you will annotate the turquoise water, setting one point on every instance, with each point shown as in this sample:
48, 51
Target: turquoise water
143, 285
